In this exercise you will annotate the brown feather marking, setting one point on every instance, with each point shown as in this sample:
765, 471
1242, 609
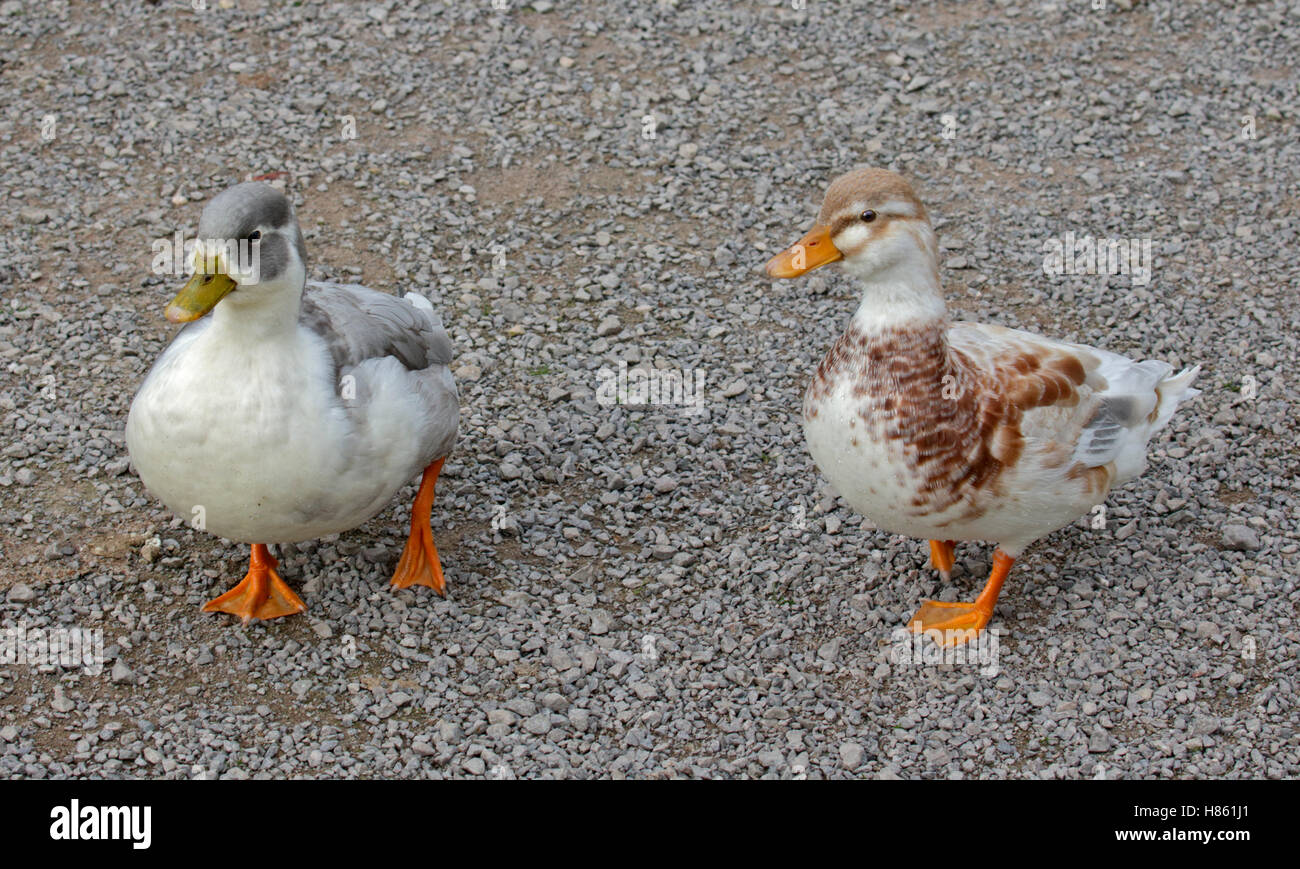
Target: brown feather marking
957, 425
1096, 480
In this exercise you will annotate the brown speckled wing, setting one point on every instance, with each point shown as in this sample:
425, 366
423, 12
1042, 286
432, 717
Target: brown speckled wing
1052, 392
957, 413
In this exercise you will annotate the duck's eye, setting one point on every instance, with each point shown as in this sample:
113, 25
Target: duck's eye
868, 216
255, 235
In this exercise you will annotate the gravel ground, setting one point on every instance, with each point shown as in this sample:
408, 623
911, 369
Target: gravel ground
654, 591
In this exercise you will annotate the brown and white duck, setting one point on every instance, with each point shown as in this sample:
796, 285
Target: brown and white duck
956, 430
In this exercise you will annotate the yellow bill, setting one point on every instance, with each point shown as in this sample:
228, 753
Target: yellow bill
199, 296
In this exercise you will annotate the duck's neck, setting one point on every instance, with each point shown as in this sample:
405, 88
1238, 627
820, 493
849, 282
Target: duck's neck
905, 297
259, 316
894, 352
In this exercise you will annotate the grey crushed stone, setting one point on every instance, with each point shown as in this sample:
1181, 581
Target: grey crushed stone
645, 592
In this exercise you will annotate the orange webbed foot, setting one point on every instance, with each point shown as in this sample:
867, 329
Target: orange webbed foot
262, 594
419, 564
951, 624
957, 623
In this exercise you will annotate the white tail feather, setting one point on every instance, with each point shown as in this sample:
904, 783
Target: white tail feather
419, 301
1172, 391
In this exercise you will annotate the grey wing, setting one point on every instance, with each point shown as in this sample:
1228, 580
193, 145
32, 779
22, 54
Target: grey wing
1100, 439
357, 323
364, 331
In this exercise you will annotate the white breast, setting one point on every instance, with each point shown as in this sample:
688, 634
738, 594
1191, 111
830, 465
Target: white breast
249, 441
865, 469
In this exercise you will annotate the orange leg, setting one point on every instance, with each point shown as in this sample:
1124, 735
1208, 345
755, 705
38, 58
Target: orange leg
261, 595
962, 622
419, 564
941, 557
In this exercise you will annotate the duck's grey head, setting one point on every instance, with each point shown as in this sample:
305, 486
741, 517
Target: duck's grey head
248, 243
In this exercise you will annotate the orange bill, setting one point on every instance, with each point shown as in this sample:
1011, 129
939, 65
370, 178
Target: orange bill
813, 250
